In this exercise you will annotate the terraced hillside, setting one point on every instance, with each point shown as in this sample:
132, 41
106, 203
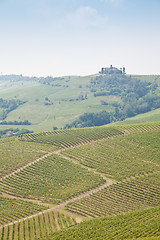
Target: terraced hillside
58, 178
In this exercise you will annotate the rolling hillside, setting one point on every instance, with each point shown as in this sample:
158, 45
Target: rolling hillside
54, 102
107, 178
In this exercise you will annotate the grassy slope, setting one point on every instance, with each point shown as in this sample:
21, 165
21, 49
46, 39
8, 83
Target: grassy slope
61, 112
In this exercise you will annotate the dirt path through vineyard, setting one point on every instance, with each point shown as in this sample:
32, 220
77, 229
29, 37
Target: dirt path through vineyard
60, 206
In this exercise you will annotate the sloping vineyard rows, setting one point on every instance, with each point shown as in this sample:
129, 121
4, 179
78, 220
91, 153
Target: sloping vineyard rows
74, 137
139, 128
36, 227
141, 192
122, 156
15, 154
14, 209
134, 225
53, 179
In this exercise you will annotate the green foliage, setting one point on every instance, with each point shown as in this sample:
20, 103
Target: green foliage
15, 154
25, 122
123, 156
14, 209
135, 225
45, 180
91, 119
129, 154
10, 132
137, 96
8, 106
38, 226
137, 193
72, 137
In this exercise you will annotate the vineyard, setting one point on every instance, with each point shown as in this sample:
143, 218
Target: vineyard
37, 227
120, 157
73, 137
22, 153
45, 180
137, 193
135, 225
14, 209
50, 181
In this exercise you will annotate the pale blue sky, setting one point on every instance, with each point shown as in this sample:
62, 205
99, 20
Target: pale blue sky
78, 37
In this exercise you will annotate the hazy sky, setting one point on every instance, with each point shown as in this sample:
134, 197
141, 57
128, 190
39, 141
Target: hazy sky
78, 37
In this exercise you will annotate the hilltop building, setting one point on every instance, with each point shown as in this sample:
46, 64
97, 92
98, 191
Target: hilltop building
112, 70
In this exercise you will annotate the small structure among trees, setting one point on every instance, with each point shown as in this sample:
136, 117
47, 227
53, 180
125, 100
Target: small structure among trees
112, 70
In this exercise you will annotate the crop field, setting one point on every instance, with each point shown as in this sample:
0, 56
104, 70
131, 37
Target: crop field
137, 193
121, 157
15, 154
14, 209
72, 137
37, 227
108, 177
45, 180
135, 225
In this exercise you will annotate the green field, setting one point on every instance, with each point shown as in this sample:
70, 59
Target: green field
44, 117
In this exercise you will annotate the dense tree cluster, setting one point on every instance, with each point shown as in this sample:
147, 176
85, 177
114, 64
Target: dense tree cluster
25, 122
8, 106
137, 96
91, 119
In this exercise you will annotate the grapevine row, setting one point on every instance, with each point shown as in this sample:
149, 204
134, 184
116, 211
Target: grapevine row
120, 197
45, 180
134, 225
37, 227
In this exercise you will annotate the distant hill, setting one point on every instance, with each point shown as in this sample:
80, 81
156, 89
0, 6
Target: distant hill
56, 102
